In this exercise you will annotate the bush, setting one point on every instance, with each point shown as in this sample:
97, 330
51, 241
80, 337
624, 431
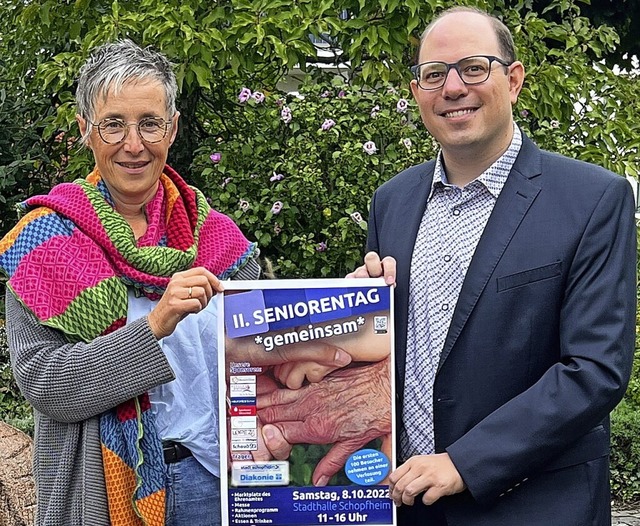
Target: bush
625, 453
296, 172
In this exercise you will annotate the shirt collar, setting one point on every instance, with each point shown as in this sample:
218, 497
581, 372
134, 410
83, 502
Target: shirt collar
494, 177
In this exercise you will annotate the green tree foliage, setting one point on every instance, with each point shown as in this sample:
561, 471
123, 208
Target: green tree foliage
624, 15
299, 170
218, 47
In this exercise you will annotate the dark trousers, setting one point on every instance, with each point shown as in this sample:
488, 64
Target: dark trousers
421, 515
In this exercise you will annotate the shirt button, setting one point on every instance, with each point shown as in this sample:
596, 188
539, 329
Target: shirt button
456, 212
445, 306
447, 258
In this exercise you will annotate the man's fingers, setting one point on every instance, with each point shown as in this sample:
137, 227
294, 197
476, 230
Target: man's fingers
373, 264
381, 268
389, 270
436, 475
360, 272
431, 495
399, 481
374, 267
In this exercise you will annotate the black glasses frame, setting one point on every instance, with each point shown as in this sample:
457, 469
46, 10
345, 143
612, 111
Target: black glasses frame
456, 65
100, 127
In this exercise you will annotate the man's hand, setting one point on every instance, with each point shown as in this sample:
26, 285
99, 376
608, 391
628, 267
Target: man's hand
374, 267
329, 412
436, 475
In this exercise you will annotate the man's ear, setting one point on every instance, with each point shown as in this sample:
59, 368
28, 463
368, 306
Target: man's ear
414, 88
516, 80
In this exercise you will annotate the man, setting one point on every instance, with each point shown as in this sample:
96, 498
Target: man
515, 301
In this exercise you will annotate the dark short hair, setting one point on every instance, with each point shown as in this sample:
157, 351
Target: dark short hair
505, 39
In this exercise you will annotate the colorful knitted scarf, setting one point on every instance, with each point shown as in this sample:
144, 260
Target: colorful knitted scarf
71, 260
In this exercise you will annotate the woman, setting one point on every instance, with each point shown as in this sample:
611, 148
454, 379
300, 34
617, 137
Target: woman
101, 273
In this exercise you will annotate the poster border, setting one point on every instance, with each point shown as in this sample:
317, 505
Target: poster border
245, 285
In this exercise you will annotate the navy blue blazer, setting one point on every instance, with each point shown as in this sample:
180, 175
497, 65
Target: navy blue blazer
540, 346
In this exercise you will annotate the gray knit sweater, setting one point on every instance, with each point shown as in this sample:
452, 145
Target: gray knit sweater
69, 386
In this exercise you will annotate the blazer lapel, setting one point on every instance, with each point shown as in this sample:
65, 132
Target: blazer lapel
514, 202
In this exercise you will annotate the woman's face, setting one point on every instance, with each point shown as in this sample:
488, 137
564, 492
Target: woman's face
131, 168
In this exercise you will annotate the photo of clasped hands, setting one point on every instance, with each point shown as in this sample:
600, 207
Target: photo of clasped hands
333, 391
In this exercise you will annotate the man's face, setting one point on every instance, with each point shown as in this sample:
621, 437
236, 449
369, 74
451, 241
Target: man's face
469, 121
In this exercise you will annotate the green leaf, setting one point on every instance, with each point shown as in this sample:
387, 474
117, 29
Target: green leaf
202, 75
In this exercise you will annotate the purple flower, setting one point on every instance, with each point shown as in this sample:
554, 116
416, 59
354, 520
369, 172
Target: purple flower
258, 96
285, 115
276, 177
226, 182
374, 111
407, 143
279, 102
245, 95
370, 147
215, 157
524, 114
328, 124
402, 105
326, 93
342, 93
243, 204
321, 247
275, 209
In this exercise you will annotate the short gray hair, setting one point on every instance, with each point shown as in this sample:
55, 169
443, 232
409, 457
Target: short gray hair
505, 39
112, 65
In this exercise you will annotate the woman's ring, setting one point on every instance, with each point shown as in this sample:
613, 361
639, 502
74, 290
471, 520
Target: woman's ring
190, 291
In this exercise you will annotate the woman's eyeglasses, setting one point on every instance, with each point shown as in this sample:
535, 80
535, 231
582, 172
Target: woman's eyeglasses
150, 130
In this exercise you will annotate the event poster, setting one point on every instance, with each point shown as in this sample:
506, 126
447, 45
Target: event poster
305, 374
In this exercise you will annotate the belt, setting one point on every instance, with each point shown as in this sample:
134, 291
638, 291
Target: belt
174, 451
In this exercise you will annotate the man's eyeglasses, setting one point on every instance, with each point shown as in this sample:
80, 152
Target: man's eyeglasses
150, 130
472, 70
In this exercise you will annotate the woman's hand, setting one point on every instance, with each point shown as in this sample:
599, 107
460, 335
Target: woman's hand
187, 292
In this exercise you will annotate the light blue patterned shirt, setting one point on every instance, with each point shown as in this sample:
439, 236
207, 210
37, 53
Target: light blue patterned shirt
450, 229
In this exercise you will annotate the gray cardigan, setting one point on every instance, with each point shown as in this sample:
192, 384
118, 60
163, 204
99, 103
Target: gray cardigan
69, 386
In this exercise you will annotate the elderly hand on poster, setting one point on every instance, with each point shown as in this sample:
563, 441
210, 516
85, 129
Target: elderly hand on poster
326, 358
329, 412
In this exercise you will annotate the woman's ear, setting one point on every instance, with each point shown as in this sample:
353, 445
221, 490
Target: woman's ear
174, 127
82, 124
